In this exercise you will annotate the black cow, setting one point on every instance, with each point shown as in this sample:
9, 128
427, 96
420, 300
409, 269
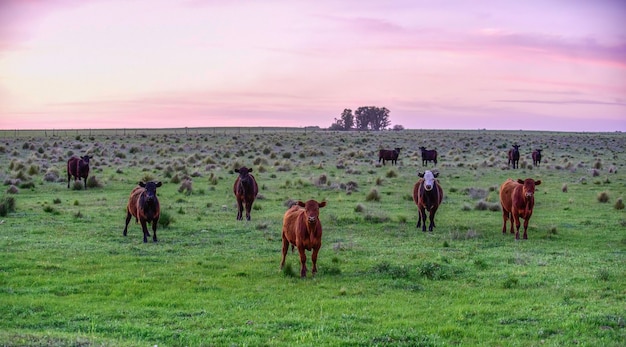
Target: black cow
246, 190
537, 157
389, 154
514, 156
143, 204
428, 155
79, 168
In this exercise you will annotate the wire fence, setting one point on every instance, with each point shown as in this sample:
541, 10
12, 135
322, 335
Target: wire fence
25, 133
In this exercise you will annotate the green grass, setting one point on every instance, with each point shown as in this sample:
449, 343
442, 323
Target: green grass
69, 277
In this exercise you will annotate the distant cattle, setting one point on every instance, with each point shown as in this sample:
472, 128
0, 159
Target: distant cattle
303, 229
514, 156
246, 190
517, 200
537, 157
389, 154
428, 155
143, 204
427, 195
79, 168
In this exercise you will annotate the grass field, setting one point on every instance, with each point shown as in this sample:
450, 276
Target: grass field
69, 278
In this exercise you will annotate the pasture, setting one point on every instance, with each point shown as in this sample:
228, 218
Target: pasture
69, 277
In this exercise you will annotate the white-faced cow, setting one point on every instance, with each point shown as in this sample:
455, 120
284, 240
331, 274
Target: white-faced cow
427, 195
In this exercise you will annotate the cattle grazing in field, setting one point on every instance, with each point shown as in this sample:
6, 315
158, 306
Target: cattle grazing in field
389, 154
428, 155
79, 168
514, 156
518, 200
246, 190
536, 157
427, 195
143, 204
302, 228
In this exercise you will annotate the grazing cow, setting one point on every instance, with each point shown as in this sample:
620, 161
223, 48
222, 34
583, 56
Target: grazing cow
514, 156
427, 195
143, 204
537, 157
245, 189
302, 228
389, 154
517, 200
79, 168
428, 155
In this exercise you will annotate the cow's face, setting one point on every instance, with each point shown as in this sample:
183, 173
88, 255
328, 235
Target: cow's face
244, 174
397, 150
529, 186
429, 179
312, 210
150, 188
86, 158
515, 147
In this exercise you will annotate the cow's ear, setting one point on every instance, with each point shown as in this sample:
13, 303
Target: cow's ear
237, 170
301, 204
436, 174
537, 182
158, 184
420, 174
141, 184
322, 204
250, 170
91, 157
520, 181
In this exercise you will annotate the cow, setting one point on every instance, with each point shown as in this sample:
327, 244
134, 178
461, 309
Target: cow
536, 157
389, 154
79, 168
245, 190
302, 228
428, 155
143, 204
514, 156
517, 200
427, 195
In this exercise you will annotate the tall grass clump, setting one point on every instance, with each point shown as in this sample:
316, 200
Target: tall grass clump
165, 219
7, 205
373, 195
92, 182
603, 197
619, 204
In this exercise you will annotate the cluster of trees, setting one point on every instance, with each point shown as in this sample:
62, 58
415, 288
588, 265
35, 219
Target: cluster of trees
364, 118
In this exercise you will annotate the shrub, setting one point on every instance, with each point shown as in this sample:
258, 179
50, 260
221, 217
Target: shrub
391, 173
92, 182
288, 271
619, 204
564, 188
7, 205
78, 185
12, 189
432, 271
186, 186
603, 197
373, 195
165, 219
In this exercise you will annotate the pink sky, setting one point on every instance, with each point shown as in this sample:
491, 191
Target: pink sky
494, 64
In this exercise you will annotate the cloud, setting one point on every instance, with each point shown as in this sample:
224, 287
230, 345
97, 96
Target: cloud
564, 102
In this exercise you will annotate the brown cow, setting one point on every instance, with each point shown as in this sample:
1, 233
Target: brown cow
517, 200
389, 154
143, 204
303, 229
536, 157
79, 168
427, 195
246, 190
514, 156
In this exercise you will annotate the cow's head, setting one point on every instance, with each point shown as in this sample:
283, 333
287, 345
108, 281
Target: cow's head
529, 186
312, 210
422, 148
397, 149
515, 148
244, 174
538, 151
150, 188
429, 179
86, 158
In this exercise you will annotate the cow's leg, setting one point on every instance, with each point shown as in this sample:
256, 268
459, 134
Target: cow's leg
432, 218
128, 217
69, 176
505, 217
144, 227
239, 209
517, 225
419, 218
85, 178
285, 249
526, 227
154, 228
248, 210
423, 217
314, 260
302, 261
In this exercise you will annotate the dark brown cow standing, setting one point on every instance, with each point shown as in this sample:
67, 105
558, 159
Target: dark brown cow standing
245, 190
302, 228
428, 155
518, 200
536, 157
143, 204
427, 195
514, 156
389, 154
79, 168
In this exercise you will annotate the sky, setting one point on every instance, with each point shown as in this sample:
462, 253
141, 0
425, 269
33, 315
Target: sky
557, 65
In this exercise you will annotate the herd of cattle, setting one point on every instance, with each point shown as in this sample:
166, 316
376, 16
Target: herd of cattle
302, 228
